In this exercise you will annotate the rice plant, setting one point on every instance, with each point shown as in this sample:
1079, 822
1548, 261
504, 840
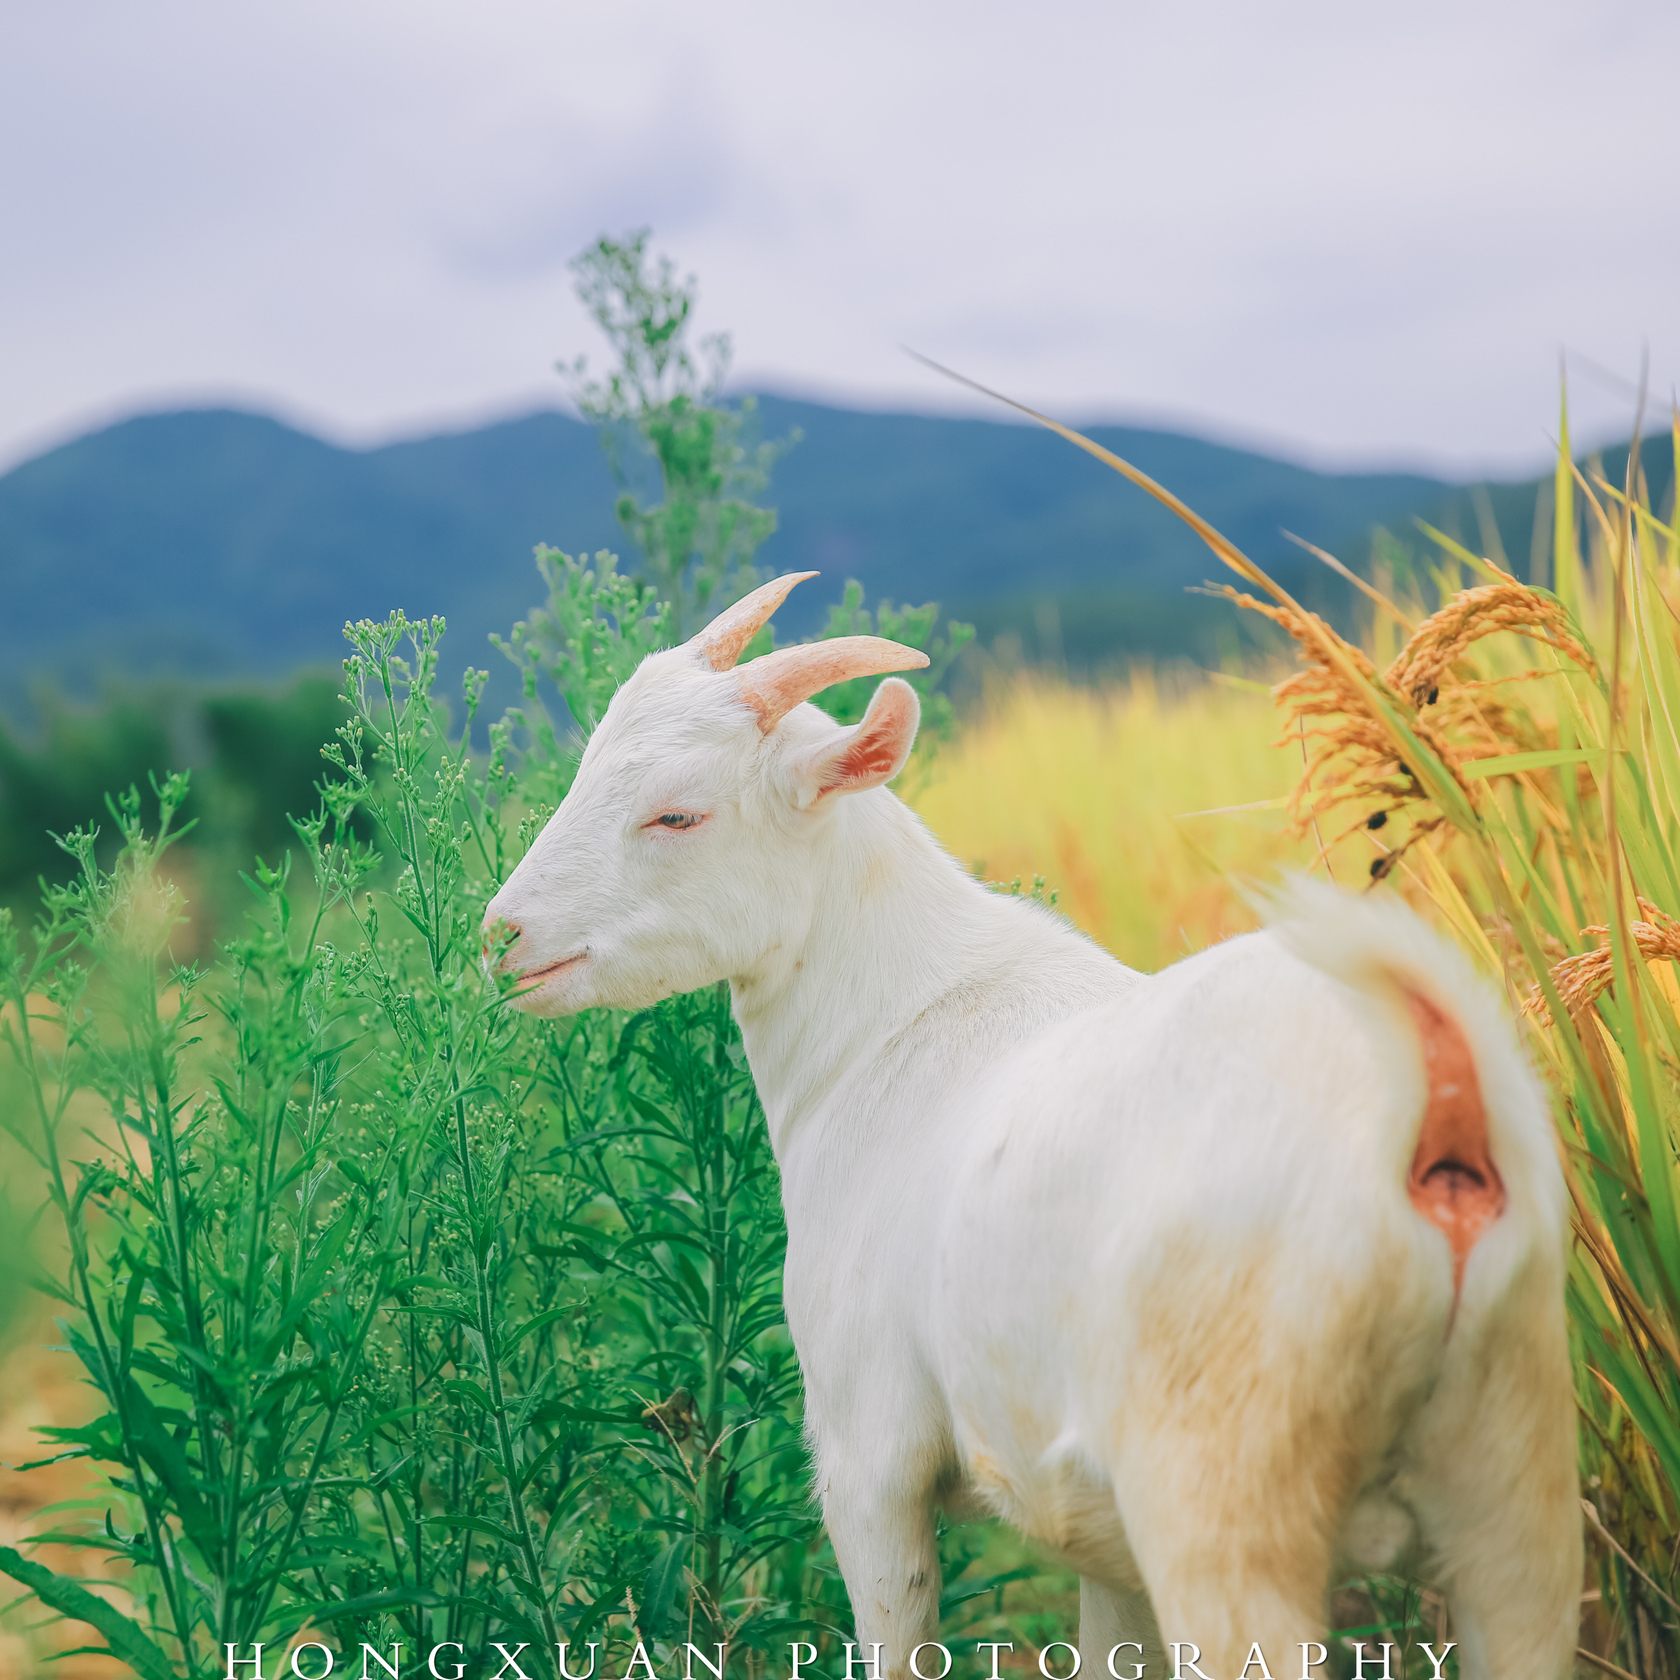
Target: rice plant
1507, 753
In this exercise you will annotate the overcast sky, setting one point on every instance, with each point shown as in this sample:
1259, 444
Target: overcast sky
1352, 232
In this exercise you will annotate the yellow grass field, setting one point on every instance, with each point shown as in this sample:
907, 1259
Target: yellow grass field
1104, 792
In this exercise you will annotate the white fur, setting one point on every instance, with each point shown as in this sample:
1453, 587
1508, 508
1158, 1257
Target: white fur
1127, 1259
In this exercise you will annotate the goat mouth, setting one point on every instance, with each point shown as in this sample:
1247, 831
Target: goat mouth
536, 976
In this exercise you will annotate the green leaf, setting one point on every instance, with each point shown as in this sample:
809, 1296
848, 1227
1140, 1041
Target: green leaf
530, 1593
309, 1285
584, 1414
659, 1590
476, 1525
172, 1467
465, 1388
550, 1317
127, 1642
331, 1610
1511, 763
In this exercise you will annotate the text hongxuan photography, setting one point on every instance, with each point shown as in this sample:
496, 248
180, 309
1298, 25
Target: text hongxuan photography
1059, 1660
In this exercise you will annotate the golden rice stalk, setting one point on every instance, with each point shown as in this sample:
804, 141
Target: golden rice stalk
1581, 978
1349, 755
1442, 639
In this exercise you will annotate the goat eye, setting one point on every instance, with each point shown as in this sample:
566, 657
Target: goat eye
678, 819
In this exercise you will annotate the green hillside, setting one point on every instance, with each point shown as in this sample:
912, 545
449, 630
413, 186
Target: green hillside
221, 544
225, 547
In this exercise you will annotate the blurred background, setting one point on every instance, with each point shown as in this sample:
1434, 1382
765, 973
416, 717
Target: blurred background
287, 289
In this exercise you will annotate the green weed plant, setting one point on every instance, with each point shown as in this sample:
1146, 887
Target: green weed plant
381, 1285
412, 1320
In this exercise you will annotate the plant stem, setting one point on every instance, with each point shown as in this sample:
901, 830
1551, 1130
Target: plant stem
493, 1369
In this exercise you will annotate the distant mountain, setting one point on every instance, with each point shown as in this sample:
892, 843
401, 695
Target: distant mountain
219, 544
222, 545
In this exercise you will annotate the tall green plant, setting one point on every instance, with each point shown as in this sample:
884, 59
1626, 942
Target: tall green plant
418, 1322
661, 403
221, 1303
695, 1250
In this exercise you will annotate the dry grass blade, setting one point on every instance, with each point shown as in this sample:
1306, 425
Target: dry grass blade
1214, 538
1374, 596
1330, 651
1603, 1664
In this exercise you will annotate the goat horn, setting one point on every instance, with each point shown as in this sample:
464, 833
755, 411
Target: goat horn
774, 683
720, 643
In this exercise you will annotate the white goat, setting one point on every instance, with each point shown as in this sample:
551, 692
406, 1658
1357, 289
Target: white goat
1220, 1282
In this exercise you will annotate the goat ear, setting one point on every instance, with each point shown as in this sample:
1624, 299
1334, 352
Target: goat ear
870, 753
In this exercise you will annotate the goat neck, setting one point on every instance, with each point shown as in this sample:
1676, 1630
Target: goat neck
896, 925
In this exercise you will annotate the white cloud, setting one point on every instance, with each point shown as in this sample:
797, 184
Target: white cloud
1361, 232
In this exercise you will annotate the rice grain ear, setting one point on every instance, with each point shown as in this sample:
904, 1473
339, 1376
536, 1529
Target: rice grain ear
1443, 638
1581, 979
